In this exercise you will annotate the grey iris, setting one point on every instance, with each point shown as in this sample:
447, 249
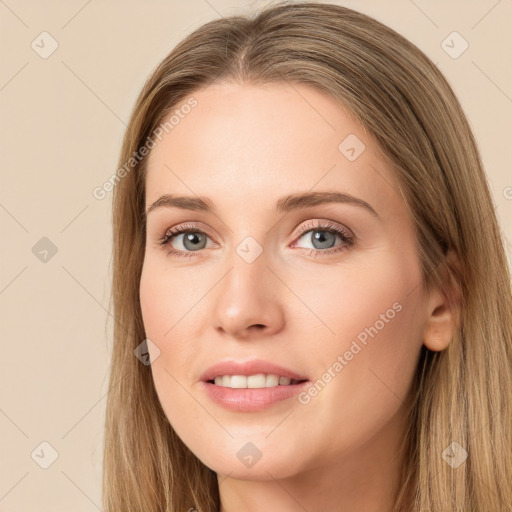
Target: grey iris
325, 239
193, 237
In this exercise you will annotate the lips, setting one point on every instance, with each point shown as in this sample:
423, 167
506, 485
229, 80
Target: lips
253, 367
232, 396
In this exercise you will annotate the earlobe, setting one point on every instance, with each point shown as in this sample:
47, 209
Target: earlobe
443, 318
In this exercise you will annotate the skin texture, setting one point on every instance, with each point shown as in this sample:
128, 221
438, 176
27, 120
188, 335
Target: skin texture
244, 147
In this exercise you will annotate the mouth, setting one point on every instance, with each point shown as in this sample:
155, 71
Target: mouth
252, 385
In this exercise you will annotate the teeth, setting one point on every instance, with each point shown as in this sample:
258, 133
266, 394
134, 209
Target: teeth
271, 381
256, 381
238, 381
259, 380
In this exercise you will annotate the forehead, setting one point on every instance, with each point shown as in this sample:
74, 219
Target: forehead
261, 142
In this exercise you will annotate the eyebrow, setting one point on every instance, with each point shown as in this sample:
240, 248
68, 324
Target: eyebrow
284, 204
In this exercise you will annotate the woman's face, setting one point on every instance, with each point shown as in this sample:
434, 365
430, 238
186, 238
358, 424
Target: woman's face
299, 261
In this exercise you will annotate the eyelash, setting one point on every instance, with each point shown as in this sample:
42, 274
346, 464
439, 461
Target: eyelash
347, 237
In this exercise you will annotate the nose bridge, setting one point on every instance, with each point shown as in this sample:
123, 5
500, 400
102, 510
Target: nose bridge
246, 283
248, 295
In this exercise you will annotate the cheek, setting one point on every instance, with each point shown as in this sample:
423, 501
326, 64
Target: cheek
169, 317
370, 339
340, 303
154, 290
167, 299
160, 314
373, 373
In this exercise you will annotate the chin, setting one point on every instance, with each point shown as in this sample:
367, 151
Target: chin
245, 460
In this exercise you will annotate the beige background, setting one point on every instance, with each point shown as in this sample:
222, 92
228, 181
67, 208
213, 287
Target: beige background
62, 122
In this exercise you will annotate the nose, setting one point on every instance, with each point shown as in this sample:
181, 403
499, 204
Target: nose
248, 302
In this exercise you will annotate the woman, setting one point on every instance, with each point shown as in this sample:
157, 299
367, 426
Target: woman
310, 273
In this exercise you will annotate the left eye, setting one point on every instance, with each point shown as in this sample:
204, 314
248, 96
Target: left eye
325, 238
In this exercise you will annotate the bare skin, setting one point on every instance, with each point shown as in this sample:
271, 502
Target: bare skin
299, 304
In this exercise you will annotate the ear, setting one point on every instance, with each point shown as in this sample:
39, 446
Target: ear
443, 313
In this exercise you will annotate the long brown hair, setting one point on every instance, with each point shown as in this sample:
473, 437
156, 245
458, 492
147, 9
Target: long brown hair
463, 393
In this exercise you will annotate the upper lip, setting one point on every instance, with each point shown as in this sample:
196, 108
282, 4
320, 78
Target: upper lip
251, 367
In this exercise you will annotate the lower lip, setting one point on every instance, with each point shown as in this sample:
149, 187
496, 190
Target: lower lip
251, 399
